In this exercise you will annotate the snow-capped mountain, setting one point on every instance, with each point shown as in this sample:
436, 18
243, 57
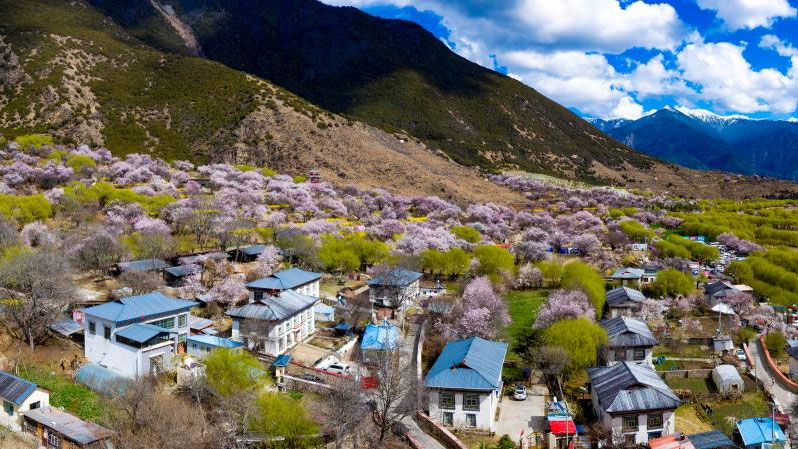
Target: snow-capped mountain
701, 139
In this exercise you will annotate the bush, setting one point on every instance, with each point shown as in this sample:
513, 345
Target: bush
672, 282
493, 258
34, 140
299, 179
25, 208
467, 233
78, 162
580, 276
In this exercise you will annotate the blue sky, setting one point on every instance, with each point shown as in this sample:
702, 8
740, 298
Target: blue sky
622, 58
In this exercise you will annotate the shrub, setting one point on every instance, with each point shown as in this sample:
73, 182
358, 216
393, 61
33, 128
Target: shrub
25, 208
467, 233
776, 342
494, 258
34, 140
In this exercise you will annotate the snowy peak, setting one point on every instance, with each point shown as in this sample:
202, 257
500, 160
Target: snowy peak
708, 117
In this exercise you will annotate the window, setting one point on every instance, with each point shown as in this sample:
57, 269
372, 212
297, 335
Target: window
181, 338
182, 320
630, 423
92, 328
446, 400
53, 440
470, 402
655, 421
640, 353
193, 346
448, 419
258, 295
107, 332
620, 354
471, 420
9, 408
166, 323
35, 405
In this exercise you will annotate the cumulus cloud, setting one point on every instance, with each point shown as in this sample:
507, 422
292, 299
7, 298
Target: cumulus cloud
772, 42
738, 14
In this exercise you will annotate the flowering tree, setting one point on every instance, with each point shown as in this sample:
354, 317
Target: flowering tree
529, 277
37, 234
738, 244
229, 291
267, 261
562, 305
192, 287
483, 312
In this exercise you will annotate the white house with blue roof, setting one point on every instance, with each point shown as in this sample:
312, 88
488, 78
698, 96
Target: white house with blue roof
19, 396
395, 289
296, 279
465, 383
202, 345
137, 335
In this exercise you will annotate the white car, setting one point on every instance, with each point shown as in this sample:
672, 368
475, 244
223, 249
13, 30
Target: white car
741, 355
339, 368
520, 393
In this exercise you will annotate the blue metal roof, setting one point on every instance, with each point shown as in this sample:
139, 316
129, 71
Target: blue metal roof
274, 308
379, 337
212, 340
183, 270
143, 265
139, 308
15, 389
628, 273
343, 326
759, 430
713, 439
197, 323
282, 360
324, 309
140, 332
472, 364
396, 277
253, 250
285, 280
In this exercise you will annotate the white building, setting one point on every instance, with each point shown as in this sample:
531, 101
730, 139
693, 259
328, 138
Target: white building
632, 400
295, 279
137, 335
19, 396
274, 324
465, 384
629, 339
395, 289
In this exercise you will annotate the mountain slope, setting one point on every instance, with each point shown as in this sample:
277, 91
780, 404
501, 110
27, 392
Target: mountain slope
70, 71
391, 74
703, 140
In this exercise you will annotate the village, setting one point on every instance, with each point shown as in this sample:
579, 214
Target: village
250, 309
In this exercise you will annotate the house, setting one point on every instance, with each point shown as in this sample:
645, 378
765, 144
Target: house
298, 280
278, 323
624, 301
19, 396
325, 313
201, 345
632, 400
758, 433
247, 254
727, 379
199, 258
465, 383
629, 276
379, 337
431, 289
137, 335
716, 291
629, 340
792, 351
142, 265
175, 276
395, 289
57, 429
714, 439
649, 274
201, 325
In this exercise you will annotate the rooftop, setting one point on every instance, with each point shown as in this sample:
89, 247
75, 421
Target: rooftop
212, 340
141, 333
188, 260
197, 324
396, 277
143, 265
624, 296
71, 426
471, 364
631, 387
274, 308
66, 327
713, 439
139, 308
183, 270
627, 332
15, 389
379, 337
628, 273
713, 288
285, 280
759, 430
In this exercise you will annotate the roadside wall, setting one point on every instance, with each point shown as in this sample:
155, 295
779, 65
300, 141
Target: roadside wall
446, 438
774, 369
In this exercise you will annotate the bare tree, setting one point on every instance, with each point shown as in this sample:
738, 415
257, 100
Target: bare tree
98, 251
155, 245
397, 393
345, 410
36, 288
141, 281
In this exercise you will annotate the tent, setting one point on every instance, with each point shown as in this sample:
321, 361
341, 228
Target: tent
723, 308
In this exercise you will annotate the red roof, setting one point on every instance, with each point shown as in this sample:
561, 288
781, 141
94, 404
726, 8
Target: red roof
670, 442
558, 427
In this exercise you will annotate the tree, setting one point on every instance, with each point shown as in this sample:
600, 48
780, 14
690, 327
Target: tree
672, 282
230, 290
529, 277
740, 271
230, 372
493, 258
552, 272
141, 281
482, 312
337, 256
636, 231
267, 261
564, 304
283, 420
467, 233
580, 338
452, 262
580, 276
776, 342
98, 250
36, 287
397, 391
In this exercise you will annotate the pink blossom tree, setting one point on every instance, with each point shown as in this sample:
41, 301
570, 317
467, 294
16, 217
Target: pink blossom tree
564, 304
229, 291
529, 277
267, 261
480, 297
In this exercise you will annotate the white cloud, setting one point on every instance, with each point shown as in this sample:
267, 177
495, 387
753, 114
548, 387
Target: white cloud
652, 79
728, 80
771, 41
750, 14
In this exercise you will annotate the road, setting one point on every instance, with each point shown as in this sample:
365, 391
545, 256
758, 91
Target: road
781, 395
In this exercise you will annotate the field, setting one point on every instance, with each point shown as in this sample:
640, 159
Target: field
695, 385
523, 307
65, 393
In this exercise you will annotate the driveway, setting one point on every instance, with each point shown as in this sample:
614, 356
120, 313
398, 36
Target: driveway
528, 416
783, 397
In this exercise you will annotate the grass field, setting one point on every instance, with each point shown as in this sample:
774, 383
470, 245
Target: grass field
523, 306
65, 393
750, 405
687, 421
695, 385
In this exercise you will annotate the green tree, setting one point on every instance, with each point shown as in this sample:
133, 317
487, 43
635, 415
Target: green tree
278, 415
33, 140
453, 262
505, 442
337, 255
636, 231
369, 252
493, 258
741, 272
580, 338
25, 208
467, 233
79, 162
581, 276
551, 271
672, 282
230, 372
776, 342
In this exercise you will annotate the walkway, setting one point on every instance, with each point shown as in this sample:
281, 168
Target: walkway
781, 395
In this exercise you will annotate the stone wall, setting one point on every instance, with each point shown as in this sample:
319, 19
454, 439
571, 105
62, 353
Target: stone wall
446, 438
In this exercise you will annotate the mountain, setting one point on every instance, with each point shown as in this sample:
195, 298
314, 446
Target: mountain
391, 74
703, 140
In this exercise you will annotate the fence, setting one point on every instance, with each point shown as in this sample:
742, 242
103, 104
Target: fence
446, 438
775, 371
687, 373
